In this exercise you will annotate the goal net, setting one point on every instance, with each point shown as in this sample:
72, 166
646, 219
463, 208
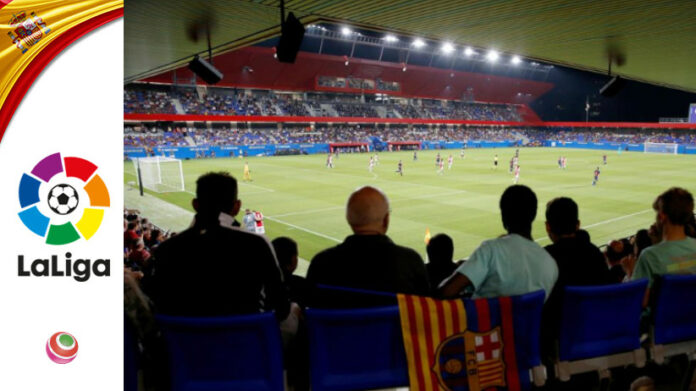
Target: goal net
160, 174
670, 148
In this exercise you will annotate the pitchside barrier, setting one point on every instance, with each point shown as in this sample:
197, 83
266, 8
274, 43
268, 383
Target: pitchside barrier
191, 152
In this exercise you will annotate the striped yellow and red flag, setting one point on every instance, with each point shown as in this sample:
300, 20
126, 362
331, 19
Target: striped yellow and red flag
444, 354
427, 235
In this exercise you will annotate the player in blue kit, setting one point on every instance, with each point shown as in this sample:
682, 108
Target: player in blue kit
596, 176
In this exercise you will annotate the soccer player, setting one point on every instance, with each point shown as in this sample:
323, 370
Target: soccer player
437, 160
517, 174
247, 173
495, 161
400, 168
461, 154
258, 218
441, 167
415, 155
596, 176
372, 164
512, 164
564, 161
560, 162
329, 160
450, 160
517, 152
604, 158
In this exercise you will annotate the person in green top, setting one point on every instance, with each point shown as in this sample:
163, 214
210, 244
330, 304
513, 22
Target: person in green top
676, 253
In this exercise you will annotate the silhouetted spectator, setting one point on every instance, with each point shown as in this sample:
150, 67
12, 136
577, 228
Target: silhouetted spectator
287, 254
214, 268
440, 251
368, 259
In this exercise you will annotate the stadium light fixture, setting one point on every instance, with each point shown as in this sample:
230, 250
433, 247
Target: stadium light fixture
447, 48
418, 43
515, 60
492, 56
469, 52
391, 38
346, 31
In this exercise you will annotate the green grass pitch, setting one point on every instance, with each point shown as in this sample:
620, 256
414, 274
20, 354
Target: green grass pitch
303, 199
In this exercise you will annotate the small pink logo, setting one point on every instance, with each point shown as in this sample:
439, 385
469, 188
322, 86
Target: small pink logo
61, 347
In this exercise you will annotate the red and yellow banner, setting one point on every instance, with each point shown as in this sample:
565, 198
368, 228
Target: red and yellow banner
443, 354
32, 32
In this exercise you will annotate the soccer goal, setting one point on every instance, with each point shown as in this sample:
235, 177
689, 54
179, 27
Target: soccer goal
670, 148
160, 174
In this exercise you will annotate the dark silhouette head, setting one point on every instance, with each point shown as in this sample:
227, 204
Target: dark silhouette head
440, 249
518, 207
561, 217
286, 252
215, 192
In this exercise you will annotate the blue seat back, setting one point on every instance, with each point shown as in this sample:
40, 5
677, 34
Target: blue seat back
602, 320
130, 358
356, 349
674, 310
329, 296
224, 353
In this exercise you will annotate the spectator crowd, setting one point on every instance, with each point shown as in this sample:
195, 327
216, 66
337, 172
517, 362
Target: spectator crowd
217, 268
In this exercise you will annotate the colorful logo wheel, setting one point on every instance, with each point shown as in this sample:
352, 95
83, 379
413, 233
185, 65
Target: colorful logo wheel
61, 347
62, 199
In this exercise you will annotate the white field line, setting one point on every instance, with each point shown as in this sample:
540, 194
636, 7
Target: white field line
605, 222
319, 234
311, 211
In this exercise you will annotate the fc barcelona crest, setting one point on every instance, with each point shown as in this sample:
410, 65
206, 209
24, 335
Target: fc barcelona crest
471, 361
27, 31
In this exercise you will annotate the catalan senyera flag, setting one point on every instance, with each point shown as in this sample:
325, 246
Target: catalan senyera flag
33, 32
450, 347
427, 235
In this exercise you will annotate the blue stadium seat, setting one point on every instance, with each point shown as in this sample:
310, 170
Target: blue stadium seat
130, 358
600, 329
356, 349
333, 297
233, 353
674, 317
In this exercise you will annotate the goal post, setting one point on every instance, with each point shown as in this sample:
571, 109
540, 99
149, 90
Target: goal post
669, 148
159, 174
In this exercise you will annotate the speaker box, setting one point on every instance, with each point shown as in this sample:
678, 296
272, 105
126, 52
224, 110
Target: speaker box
205, 70
612, 87
291, 35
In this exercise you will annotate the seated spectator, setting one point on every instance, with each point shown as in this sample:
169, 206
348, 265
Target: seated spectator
214, 268
677, 252
512, 264
130, 236
440, 251
139, 255
368, 259
579, 263
286, 252
616, 253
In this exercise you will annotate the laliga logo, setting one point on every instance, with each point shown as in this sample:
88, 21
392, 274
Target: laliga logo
63, 200
61, 348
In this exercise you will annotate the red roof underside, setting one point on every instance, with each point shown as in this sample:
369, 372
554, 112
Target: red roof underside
417, 81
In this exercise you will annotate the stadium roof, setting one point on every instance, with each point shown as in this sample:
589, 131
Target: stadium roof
655, 38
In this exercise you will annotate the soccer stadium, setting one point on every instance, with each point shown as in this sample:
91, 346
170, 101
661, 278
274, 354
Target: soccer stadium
409, 195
